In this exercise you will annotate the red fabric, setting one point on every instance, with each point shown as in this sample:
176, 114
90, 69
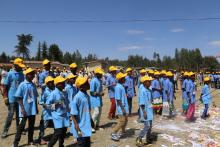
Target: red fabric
112, 108
190, 112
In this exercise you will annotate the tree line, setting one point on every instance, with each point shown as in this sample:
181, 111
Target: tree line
184, 59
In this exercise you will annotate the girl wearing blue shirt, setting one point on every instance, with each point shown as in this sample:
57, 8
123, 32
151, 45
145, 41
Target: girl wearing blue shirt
145, 104
121, 107
80, 112
46, 117
110, 83
191, 93
185, 103
59, 108
26, 96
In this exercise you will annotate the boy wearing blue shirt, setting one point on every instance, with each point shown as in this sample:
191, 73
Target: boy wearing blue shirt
80, 112
70, 89
11, 83
96, 92
121, 106
130, 88
111, 83
145, 104
46, 117
59, 108
206, 97
26, 96
46, 72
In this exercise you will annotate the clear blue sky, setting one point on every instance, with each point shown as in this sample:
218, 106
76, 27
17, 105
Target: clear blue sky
113, 40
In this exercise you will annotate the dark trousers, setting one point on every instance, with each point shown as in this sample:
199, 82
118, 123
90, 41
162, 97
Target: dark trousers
21, 126
83, 142
130, 105
43, 125
12, 108
204, 114
59, 134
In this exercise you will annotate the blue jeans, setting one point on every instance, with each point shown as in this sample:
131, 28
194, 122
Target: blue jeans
204, 114
146, 130
12, 108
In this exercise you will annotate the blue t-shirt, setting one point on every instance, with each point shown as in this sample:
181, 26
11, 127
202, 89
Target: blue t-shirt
206, 96
46, 112
59, 112
170, 90
71, 91
184, 93
156, 84
12, 82
121, 95
110, 83
190, 88
129, 86
27, 91
96, 86
80, 107
146, 99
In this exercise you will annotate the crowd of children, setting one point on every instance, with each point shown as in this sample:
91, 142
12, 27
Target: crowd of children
66, 103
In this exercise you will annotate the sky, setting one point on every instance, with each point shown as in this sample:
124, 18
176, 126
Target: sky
116, 39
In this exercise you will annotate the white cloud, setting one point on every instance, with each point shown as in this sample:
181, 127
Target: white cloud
149, 39
177, 30
134, 32
130, 48
215, 43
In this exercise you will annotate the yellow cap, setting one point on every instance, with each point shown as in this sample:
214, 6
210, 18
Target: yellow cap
151, 72
142, 71
49, 79
206, 79
157, 73
146, 78
128, 69
163, 72
46, 61
99, 71
59, 79
19, 62
112, 68
169, 74
191, 73
73, 65
29, 70
80, 81
120, 75
186, 73
71, 76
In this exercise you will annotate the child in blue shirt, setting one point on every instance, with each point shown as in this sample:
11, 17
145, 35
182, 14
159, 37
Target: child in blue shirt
46, 117
80, 112
96, 92
130, 87
59, 108
145, 104
121, 107
10, 85
26, 96
206, 97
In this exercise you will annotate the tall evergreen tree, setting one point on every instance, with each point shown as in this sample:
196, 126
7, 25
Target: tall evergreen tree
38, 57
44, 54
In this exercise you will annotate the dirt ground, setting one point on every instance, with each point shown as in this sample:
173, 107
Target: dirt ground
167, 132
